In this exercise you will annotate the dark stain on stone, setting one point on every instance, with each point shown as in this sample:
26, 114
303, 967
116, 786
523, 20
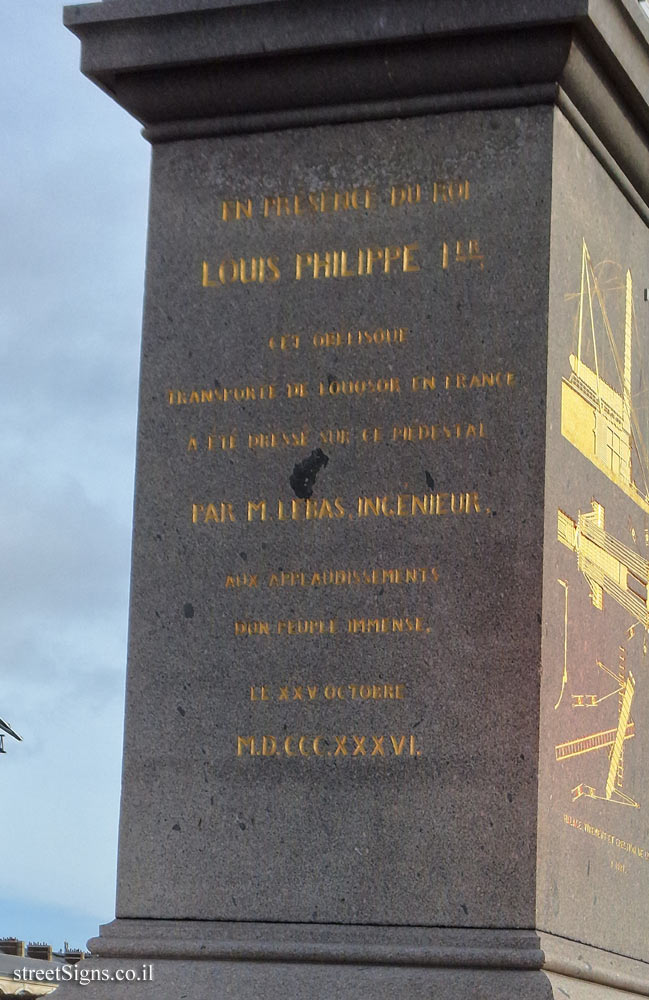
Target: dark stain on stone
176, 827
305, 473
242, 825
181, 710
465, 907
244, 556
510, 797
430, 482
189, 610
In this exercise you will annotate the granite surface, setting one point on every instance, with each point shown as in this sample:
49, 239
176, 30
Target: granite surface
244, 961
336, 694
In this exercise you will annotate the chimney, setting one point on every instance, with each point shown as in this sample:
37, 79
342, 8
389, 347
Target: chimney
39, 950
12, 946
72, 956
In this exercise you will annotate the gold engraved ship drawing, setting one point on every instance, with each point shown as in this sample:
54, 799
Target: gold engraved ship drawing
596, 418
611, 739
564, 678
610, 566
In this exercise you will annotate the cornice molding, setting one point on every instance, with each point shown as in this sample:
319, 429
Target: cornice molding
190, 68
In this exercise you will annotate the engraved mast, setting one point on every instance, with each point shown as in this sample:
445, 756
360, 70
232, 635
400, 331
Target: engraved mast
612, 739
595, 417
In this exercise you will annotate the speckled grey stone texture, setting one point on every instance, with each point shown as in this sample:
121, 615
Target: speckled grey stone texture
276, 961
442, 834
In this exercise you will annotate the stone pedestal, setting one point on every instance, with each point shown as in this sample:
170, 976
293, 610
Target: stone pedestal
388, 686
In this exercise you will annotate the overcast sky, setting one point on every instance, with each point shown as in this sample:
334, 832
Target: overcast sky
73, 196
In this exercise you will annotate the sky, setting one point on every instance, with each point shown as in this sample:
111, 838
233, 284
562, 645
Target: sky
73, 201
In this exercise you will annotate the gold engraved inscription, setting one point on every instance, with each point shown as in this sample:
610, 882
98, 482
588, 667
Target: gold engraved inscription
220, 512
333, 388
222, 394
270, 440
241, 581
324, 339
376, 577
234, 271
462, 252
439, 432
332, 200
237, 209
399, 505
324, 202
410, 505
293, 627
331, 693
385, 626
261, 440
359, 263
359, 387
322, 746
480, 380
359, 338
213, 442
443, 191
310, 627
627, 846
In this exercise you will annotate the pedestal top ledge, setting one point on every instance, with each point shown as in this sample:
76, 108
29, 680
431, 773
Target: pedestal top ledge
227, 57
188, 68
